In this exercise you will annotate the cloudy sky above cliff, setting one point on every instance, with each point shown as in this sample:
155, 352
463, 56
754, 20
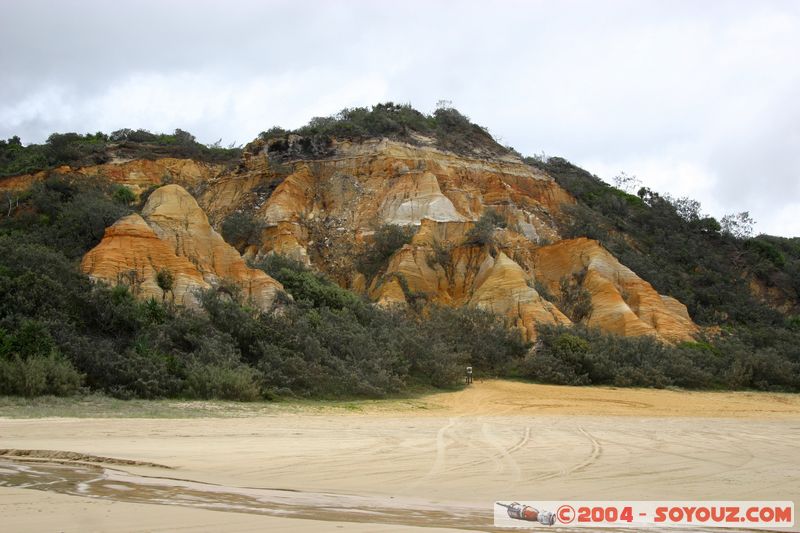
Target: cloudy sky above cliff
694, 98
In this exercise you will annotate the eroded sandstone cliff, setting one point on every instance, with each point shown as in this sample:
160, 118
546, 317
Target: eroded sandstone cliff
173, 234
324, 210
622, 302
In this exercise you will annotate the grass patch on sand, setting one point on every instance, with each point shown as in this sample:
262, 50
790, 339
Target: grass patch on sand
100, 406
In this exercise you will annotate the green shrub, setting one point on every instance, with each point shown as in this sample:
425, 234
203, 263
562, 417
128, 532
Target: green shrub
67, 213
457, 133
547, 368
305, 285
38, 375
332, 344
241, 230
123, 195
544, 292
222, 382
481, 233
18, 159
137, 372
435, 362
441, 255
764, 249
416, 299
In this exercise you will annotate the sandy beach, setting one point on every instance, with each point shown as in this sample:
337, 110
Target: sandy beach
436, 462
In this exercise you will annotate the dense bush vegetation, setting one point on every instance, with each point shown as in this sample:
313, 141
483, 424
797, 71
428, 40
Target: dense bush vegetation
581, 356
65, 213
452, 130
425, 350
79, 150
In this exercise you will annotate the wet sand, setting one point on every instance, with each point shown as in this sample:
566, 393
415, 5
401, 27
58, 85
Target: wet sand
394, 466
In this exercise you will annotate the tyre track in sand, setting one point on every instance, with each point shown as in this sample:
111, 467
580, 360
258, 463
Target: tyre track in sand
504, 453
594, 455
496, 457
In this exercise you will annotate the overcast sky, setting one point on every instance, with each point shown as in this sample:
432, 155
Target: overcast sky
696, 98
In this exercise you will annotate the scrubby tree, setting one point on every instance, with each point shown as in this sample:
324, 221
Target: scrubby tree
386, 240
123, 195
165, 281
626, 182
574, 299
739, 225
241, 230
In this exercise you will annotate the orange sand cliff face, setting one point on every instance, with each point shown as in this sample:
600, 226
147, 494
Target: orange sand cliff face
324, 211
622, 302
131, 253
173, 233
312, 205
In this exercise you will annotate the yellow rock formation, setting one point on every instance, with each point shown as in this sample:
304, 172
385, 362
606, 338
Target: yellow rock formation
501, 286
132, 254
365, 185
622, 302
174, 233
464, 275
